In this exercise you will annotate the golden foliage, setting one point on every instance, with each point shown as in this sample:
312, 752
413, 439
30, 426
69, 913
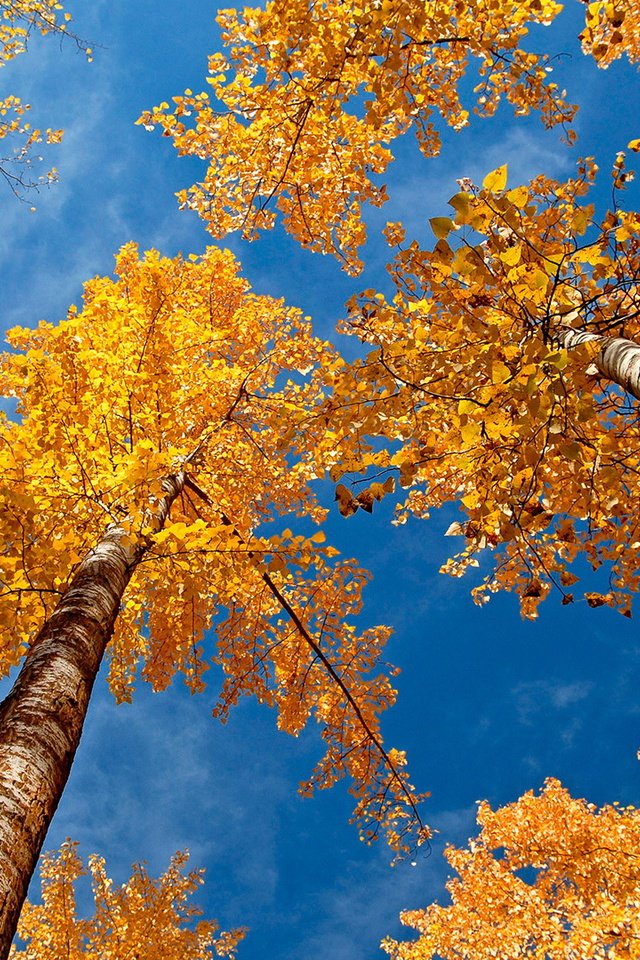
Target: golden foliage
175, 367
467, 382
611, 30
19, 19
478, 403
311, 95
143, 918
548, 876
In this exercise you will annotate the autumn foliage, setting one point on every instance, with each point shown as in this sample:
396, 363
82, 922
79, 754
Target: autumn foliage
19, 20
473, 388
144, 918
176, 368
308, 99
611, 31
468, 383
548, 876
467, 379
310, 96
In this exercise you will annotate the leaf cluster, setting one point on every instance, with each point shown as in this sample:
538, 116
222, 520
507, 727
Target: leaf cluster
311, 95
548, 876
479, 403
143, 918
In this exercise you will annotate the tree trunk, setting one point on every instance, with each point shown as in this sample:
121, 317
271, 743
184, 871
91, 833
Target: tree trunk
41, 720
618, 360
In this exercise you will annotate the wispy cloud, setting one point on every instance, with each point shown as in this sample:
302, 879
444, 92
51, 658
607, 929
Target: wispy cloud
534, 697
365, 903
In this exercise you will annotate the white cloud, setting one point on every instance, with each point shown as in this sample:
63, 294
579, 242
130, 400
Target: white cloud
364, 904
535, 696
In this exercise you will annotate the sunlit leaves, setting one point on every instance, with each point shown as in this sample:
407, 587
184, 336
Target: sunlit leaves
19, 19
310, 98
548, 876
481, 379
144, 918
174, 367
441, 226
496, 181
612, 29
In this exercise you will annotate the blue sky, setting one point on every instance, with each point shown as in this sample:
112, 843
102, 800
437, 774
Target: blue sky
489, 705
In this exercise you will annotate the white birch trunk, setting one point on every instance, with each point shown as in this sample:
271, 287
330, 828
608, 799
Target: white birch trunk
41, 720
618, 360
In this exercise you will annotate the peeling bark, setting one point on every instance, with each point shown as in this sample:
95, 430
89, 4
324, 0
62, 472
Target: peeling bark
41, 720
618, 360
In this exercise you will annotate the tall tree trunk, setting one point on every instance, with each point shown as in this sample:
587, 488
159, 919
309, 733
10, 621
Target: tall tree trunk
618, 360
41, 720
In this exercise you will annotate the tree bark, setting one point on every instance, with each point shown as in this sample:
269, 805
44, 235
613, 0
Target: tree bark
42, 718
618, 360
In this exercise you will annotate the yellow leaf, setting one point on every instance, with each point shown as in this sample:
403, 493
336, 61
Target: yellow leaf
538, 280
441, 226
470, 432
461, 203
500, 372
557, 359
511, 255
496, 181
519, 197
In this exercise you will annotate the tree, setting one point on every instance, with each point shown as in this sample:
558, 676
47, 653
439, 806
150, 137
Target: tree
144, 917
547, 876
159, 428
487, 380
274, 140
469, 384
318, 91
500, 375
19, 19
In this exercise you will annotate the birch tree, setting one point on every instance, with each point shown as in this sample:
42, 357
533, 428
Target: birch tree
498, 376
160, 427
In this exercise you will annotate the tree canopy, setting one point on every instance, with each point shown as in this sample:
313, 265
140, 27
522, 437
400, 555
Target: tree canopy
547, 876
189, 422
176, 366
143, 917
487, 394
